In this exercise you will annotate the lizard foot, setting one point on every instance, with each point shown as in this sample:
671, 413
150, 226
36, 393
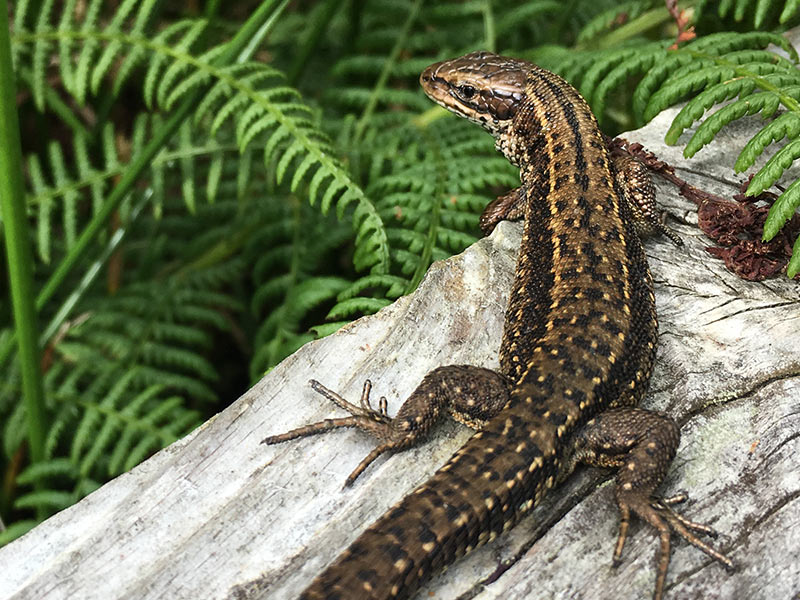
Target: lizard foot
658, 512
364, 417
470, 394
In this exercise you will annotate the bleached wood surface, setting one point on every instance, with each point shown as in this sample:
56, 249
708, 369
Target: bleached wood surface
217, 515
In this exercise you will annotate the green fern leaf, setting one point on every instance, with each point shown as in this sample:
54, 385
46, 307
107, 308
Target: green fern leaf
187, 168
603, 22
49, 501
144, 448
783, 210
41, 52
214, 175
601, 66
669, 94
16, 530
639, 62
741, 7
187, 32
170, 92
93, 416
357, 306
695, 56
71, 197
655, 77
766, 103
180, 77
527, 12
65, 46
793, 268
762, 7
326, 329
291, 152
790, 9
41, 471
786, 125
87, 173
724, 43
395, 286
774, 168
136, 53
45, 206
114, 47
14, 430
87, 58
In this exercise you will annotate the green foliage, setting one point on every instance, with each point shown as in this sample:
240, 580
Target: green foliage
287, 254
427, 181
762, 13
287, 205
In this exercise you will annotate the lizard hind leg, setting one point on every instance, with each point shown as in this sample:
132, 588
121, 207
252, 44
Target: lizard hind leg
471, 394
638, 191
642, 445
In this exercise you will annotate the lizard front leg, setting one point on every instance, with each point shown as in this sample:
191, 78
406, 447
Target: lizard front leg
508, 207
636, 189
472, 395
642, 444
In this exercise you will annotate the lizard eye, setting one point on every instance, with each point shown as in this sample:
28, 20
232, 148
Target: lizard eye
466, 91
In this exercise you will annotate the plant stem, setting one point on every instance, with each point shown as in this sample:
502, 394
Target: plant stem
433, 226
18, 250
490, 34
312, 40
386, 71
212, 8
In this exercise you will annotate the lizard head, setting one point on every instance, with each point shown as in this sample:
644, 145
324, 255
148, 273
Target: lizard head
483, 87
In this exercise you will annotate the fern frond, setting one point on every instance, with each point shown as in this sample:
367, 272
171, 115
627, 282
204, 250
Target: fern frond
749, 103
281, 333
288, 252
49, 501
774, 168
793, 268
83, 66
427, 181
60, 191
295, 143
764, 14
121, 386
347, 309
703, 50
144, 12
293, 137
634, 61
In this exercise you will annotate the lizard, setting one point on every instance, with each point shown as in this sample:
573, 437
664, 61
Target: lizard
578, 348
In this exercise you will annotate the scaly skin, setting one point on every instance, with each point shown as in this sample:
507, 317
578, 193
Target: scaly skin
577, 353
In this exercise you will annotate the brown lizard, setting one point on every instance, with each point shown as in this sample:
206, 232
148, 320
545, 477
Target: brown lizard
577, 352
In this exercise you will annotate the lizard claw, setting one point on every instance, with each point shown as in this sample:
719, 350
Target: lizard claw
658, 512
